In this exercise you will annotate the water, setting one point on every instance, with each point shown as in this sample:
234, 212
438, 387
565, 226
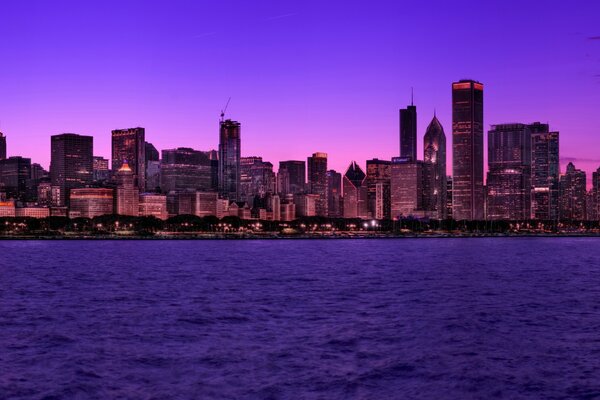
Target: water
301, 319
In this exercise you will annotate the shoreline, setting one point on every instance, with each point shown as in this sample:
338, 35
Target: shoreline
277, 236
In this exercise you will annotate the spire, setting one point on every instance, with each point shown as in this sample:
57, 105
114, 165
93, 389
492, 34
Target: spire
412, 95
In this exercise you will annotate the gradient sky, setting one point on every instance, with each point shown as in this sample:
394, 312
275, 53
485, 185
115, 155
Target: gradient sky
304, 76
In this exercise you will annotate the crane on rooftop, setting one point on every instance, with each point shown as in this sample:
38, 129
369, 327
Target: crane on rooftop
225, 109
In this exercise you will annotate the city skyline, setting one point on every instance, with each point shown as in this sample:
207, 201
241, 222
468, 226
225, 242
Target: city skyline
179, 83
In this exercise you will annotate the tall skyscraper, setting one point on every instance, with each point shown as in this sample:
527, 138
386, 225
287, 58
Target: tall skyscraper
434, 170
545, 172
229, 159
467, 150
128, 145
15, 176
2, 146
408, 132
128, 195
509, 172
291, 177
71, 164
317, 181
572, 194
595, 195
355, 192
184, 168
379, 173
335, 207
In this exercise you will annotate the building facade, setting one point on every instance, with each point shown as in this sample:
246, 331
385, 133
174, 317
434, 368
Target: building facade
229, 159
379, 173
572, 194
71, 164
127, 194
90, 202
317, 181
434, 170
406, 188
355, 192
408, 132
184, 168
545, 172
129, 145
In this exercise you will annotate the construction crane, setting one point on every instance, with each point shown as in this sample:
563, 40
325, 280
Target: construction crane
225, 109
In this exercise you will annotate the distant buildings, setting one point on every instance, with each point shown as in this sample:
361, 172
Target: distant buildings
467, 150
129, 145
572, 194
335, 204
434, 170
317, 181
101, 171
291, 177
71, 164
355, 192
406, 188
257, 178
15, 175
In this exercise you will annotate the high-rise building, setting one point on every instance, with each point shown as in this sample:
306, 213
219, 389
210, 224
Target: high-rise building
184, 168
355, 192
291, 177
229, 159
2, 146
406, 188
449, 197
572, 194
15, 174
90, 202
101, 172
152, 169
71, 164
129, 145
128, 195
151, 152
545, 171
317, 181
335, 205
379, 173
434, 170
467, 150
408, 132
595, 195
509, 172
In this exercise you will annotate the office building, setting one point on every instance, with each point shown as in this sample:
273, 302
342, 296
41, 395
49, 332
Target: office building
379, 173
71, 164
185, 169
129, 145
545, 172
434, 170
154, 205
355, 192
229, 159
127, 194
291, 177
408, 132
90, 202
335, 205
317, 181
406, 188
572, 194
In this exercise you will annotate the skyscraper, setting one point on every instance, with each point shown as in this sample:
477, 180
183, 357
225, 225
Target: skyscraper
71, 163
355, 192
408, 132
128, 145
595, 195
317, 181
572, 194
467, 150
128, 195
334, 194
229, 159
291, 177
434, 170
2, 146
379, 173
15, 176
545, 171
509, 172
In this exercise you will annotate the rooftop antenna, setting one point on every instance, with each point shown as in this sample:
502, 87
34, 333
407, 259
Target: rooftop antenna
225, 109
411, 96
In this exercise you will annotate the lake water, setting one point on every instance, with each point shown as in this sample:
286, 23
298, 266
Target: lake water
301, 319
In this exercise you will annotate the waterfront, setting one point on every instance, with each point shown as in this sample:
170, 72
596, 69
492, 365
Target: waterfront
417, 319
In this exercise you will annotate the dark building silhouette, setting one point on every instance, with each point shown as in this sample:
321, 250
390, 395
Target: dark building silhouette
2, 146
71, 164
595, 197
335, 205
229, 159
408, 132
101, 171
509, 172
545, 172
355, 192
129, 145
317, 181
184, 168
434, 170
15, 176
467, 150
572, 194
151, 153
291, 177
379, 173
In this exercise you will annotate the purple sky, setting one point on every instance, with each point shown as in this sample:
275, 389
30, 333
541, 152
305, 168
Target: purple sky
303, 76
